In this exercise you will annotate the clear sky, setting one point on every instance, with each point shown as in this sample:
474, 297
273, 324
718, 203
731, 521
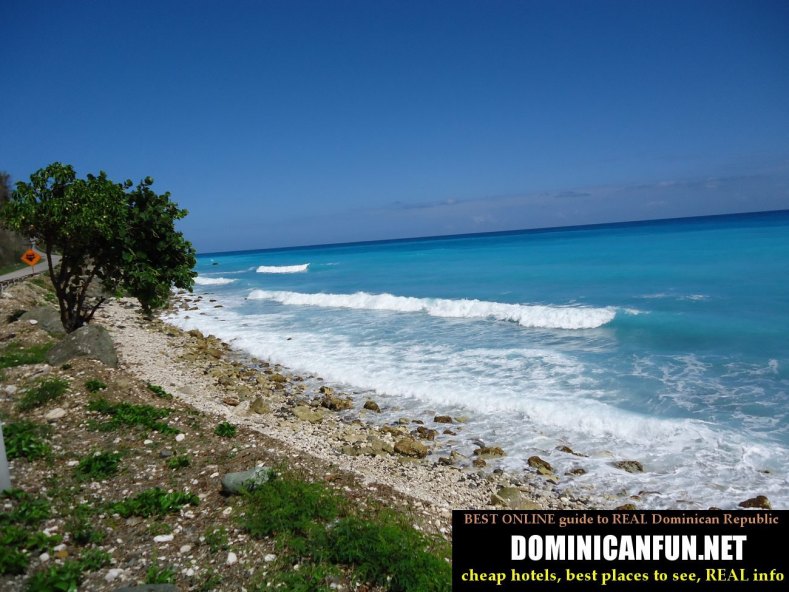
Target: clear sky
289, 122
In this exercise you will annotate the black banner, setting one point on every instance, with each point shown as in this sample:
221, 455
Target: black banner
619, 551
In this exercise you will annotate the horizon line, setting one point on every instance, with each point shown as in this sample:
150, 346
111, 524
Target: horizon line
536, 229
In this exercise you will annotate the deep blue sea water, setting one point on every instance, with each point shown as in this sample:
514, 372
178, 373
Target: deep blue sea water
665, 342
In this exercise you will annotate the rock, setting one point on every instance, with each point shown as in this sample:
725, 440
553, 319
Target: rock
163, 538
233, 483
576, 471
180, 437
631, 466
55, 414
512, 498
231, 400
112, 574
269, 558
479, 463
232, 558
488, 451
442, 419
410, 447
197, 334
543, 466
259, 406
379, 447
392, 431
759, 501
425, 433
569, 450
371, 405
626, 507
278, 378
305, 413
89, 341
166, 453
47, 318
449, 432
326, 390
335, 403
447, 461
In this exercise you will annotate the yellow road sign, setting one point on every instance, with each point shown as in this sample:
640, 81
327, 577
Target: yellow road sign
31, 257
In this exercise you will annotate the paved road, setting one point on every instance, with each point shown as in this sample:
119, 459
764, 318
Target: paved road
38, 268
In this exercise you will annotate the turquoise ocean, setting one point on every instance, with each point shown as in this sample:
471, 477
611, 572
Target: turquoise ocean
665, 342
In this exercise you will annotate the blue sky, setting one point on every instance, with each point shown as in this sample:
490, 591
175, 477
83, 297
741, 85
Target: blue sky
280, 123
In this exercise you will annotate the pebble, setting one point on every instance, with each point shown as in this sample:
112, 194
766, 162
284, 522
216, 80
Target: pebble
147, 442
44, 557
33, 322
55, 414
180, 438
112, 574
185, 548
269, 558
231, 558
11, 389
72, 463
163, 538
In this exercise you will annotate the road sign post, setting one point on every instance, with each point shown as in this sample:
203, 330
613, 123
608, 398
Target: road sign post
30, 257
5, 473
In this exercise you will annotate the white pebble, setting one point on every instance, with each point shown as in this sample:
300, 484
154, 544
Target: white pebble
227, 511
11, 389
60, 547
269, 558
44, 557
180, 438
72, 463
33, 322
163, 538
185, 548
190, 572
112, 574
231, 558
147, 442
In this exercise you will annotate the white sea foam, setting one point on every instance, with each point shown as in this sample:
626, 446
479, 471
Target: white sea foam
283, 268
212, 281
526, 315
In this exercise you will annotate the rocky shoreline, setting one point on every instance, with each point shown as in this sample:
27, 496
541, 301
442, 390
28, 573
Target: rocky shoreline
307, 417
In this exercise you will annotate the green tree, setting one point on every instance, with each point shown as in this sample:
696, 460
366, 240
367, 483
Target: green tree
125, 237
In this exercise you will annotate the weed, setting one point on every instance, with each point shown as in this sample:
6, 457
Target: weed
46, 391
159, 391
216, 539
154, 502
16, 354
64, 578
25, 439
290, 506
80, 527
157, 528
126, 414
211, 581
310, 577
38, 541
94, 559
98, 466
226, 430
13, 561
27, 510
159, 575
94, 385
387, 550
178, 462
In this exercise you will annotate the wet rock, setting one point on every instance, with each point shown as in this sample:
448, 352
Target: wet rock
569, 450
234, 483
479, 463
278, 378
326, 390
489, 451
305, 413
410, 447
259, 406
576, 471
372, 406
334, 403
89, 341
626, 507
393, 431
513, 498
425, 433
47, 318
543, 466
449, 432
442, 419
759, 501
631, 466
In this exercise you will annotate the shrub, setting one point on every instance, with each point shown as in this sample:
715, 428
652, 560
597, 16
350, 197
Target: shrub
25, 439
178, 462
226, 430
98, 466
94, 385
159, 391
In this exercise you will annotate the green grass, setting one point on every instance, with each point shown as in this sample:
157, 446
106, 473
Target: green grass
159, 391
25, 439
16, 354
60, 578
154, 502
226, 430
128, 415
18, 530
94, 385
159, 575
178, 462
25, 508
217, 539
80, 528
317, 528
46, 391
98, 466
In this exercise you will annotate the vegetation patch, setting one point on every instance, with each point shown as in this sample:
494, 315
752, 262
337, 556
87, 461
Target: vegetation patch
217, 539
66, 577
16, 354
154, 502
98, 466
80, 526
157, 574
46, 391
178, 462
128, 415
159, 391
18, 534
93, 385
25, 439
226, 430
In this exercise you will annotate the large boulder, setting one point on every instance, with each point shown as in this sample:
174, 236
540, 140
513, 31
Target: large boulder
89, 341
47, 318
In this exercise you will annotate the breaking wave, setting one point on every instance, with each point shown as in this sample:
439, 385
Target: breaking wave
526, 315
212, 281
283, 268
